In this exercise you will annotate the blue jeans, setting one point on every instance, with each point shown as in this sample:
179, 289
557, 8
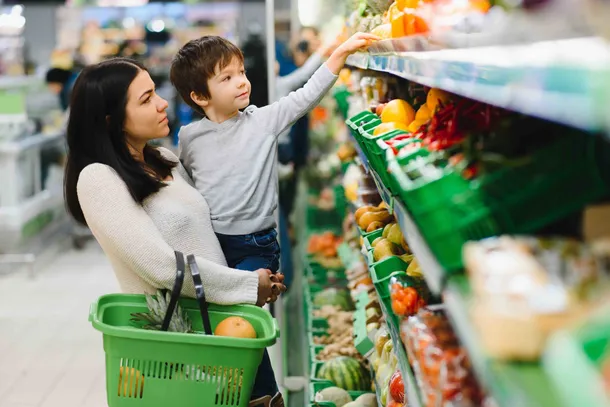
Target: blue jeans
252, 252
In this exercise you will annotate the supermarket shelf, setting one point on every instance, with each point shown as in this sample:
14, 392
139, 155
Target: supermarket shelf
562, 81
511, 384
433, 271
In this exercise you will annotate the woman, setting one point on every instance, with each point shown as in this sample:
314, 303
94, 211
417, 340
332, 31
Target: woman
137, 200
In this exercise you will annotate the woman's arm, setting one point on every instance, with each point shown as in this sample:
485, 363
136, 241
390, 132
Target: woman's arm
124, 230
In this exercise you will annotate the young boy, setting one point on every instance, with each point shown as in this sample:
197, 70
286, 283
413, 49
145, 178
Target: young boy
231, 154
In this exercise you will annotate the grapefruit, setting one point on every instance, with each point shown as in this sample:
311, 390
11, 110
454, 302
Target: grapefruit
398, 111
235, 327
386, 127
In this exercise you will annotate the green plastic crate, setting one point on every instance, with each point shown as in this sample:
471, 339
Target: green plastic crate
395, 164
449, 210
375, 151
382, 271
356, 122
370, 238
380, 151
323, 384
362, 342
317, 218
342, 95
157, 369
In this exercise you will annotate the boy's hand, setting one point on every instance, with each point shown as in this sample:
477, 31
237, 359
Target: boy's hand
357, 42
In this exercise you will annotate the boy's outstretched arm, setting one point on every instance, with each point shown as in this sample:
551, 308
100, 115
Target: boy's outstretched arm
278, 116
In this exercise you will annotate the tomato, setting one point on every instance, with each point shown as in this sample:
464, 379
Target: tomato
397, 387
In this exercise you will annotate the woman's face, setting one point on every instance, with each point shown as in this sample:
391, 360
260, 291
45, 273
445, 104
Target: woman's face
145, 116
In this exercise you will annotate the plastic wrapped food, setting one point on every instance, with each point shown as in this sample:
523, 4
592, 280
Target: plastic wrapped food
441, 365
525, 288
408, 295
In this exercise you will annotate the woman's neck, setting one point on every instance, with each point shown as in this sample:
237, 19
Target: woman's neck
137, 150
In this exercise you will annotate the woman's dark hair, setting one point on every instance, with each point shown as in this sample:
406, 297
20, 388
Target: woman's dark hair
95, 133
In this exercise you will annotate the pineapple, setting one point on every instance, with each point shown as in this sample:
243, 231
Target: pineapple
379, 6
157, 309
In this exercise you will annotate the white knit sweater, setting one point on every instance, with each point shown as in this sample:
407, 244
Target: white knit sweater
140, 240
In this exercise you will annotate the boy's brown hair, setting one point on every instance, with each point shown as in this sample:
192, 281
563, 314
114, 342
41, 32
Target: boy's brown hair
196, 63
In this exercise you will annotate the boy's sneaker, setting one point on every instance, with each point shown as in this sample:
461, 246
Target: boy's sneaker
268, 401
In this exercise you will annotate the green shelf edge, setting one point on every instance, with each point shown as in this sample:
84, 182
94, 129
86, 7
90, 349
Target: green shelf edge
511, 384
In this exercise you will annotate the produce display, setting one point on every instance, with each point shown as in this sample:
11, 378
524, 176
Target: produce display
445, 311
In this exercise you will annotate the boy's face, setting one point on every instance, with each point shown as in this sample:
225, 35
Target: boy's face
229, 89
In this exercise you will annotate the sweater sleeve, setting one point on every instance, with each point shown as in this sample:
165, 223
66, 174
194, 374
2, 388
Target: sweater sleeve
280, 115
125, 231
296, 79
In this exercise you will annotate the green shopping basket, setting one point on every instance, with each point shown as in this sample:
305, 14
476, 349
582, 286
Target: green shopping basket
160, 369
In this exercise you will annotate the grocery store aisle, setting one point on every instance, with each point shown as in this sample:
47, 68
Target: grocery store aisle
50, 356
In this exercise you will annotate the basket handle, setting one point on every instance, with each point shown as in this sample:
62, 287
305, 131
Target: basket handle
180, 267
199, 292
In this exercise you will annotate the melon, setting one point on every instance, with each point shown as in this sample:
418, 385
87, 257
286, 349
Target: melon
346, 373
367, 400
335, 297
335, 395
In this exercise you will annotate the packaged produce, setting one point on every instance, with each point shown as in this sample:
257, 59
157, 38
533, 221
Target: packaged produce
441, 365
408, 295
526, 288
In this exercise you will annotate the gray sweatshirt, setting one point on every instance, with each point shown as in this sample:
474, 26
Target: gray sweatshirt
234, 163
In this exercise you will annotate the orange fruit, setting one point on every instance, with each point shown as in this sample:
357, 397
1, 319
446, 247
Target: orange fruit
398, 111
235, 327
386, 127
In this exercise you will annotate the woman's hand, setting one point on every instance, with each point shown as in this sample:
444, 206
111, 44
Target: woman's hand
270, 286
277, 287
265, 286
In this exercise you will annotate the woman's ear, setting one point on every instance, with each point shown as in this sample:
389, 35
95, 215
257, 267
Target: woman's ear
199, 100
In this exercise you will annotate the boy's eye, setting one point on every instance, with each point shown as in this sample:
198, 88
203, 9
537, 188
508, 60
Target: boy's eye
227, 78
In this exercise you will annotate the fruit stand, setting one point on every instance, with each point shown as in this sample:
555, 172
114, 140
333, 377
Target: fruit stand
461, 241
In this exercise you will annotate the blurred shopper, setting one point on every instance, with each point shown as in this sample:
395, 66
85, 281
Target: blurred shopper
60, 81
